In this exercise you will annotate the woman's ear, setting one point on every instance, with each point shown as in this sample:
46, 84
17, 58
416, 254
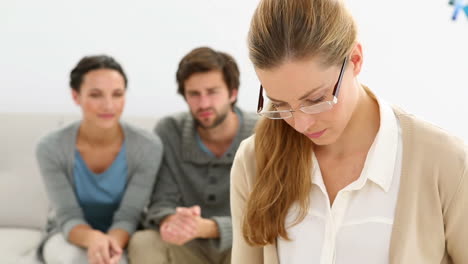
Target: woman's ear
356, 59
76, 97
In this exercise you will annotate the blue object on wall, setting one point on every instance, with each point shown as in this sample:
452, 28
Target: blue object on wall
459, 6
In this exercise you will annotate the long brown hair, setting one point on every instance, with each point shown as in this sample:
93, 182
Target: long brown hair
283, 30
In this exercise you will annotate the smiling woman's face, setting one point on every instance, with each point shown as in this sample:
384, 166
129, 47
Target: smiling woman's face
101, 97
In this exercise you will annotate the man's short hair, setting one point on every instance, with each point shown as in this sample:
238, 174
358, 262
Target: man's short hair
205, 59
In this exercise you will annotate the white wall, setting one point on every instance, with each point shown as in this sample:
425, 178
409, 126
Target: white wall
415, 56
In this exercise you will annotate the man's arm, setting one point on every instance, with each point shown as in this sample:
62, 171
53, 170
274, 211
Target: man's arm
165, 198
224, 231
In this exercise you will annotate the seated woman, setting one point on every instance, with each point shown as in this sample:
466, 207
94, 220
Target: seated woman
98, 172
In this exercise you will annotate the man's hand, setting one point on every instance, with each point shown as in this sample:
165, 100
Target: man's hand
180, 227
187, 224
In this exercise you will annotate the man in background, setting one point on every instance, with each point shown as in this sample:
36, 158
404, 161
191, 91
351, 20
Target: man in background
189, 220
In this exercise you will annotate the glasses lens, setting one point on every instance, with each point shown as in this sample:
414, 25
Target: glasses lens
276, 115
318, 108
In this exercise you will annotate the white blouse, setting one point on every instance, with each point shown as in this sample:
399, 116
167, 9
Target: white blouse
357, 228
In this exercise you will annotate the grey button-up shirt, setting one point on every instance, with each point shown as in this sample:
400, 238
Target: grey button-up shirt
190, 176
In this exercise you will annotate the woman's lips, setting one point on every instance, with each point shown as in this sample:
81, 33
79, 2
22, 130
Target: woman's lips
315, 135
106, 116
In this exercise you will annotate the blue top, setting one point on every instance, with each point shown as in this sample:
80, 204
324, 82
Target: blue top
99, 195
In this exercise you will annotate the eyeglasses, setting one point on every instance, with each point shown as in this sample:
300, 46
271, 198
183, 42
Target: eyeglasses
309, 109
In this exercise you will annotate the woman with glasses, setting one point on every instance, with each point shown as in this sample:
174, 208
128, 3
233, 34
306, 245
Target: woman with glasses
98, 172
335, 174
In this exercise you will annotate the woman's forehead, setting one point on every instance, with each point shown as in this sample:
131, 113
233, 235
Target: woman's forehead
295, 80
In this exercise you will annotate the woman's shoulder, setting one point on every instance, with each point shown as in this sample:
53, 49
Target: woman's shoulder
435, 162
437, 146
245, 154
247, 148
429, 134
244, 166
59, 138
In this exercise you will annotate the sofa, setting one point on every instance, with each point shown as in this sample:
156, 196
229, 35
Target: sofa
23, 202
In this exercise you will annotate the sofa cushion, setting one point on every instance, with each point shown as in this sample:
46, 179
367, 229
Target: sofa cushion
22, 195
22, 199
18, 245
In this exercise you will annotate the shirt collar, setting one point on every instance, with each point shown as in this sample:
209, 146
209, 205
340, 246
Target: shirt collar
381, 159
380, 162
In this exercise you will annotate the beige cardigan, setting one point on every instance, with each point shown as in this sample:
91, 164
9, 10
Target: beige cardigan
431, 219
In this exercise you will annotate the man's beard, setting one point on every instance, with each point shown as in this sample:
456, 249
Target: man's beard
219, 119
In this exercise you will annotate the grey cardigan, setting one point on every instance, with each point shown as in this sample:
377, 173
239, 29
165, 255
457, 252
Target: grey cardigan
189, 176
56, 156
